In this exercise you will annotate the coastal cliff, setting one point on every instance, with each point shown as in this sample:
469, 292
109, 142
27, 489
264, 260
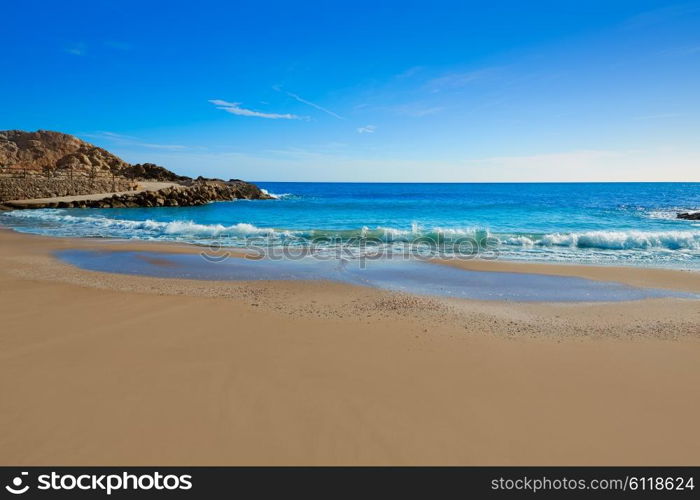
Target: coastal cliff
46, 169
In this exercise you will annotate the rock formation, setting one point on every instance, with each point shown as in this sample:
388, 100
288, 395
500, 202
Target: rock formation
153, 172
37, 152
689, 215
194, 194
47, 164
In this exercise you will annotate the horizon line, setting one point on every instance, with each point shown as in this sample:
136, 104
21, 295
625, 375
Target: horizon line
478, 182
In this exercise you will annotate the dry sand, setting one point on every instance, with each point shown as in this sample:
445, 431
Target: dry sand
103, 369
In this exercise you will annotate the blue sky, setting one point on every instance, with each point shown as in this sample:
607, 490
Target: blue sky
366, 91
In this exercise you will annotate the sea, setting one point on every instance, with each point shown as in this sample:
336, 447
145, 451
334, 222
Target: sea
585, 223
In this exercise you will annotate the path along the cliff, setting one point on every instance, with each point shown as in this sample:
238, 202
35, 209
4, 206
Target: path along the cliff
142, 187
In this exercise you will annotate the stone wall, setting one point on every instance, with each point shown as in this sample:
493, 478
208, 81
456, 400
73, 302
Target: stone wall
34, 186
198, 193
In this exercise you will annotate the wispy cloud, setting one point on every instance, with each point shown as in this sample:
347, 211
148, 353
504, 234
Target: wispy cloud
417, 110
410, 72
367, 129
658, 116
686, 50
128, 140
79, 49
452, 81
661, 15
114, 44
235, 109
308, 103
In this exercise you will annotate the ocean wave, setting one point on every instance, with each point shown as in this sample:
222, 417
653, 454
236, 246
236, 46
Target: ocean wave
276, 196
56, 221
614, 240
112, 227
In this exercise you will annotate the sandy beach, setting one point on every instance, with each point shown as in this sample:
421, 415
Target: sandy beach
106, 369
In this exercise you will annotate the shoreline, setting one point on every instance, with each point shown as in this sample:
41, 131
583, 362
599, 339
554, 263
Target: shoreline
650, 277
685, 280
107, 369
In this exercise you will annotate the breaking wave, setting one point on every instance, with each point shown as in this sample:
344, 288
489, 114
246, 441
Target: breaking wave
57, 222
275, 196
614, 240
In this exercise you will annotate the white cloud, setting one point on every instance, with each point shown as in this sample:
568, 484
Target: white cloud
367, 129
235, 109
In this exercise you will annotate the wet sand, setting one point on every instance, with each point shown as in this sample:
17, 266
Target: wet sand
106, 369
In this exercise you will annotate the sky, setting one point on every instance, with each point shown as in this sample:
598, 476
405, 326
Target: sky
366, 91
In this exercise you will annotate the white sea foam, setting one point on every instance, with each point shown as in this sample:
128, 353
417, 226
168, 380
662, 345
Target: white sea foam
113, 227
54, 221
518, 241
276, 196
670, 214
614, 240
624, 240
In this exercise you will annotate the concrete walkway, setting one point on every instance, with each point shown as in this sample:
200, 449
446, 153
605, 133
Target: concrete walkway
142, 186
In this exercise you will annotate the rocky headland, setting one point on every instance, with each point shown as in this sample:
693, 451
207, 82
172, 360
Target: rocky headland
46, 169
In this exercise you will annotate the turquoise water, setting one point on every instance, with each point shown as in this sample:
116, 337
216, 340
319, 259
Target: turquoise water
606, 223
